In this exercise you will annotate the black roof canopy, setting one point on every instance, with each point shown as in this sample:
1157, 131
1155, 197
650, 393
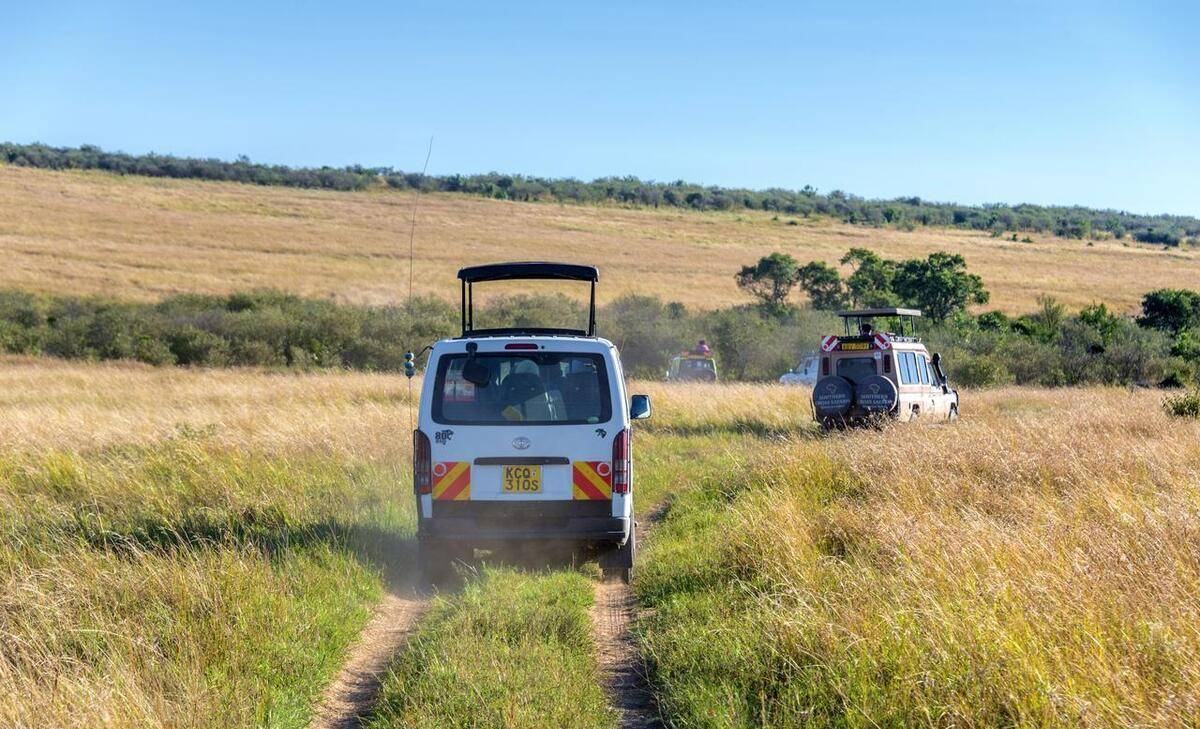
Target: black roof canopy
528, 270
525, 270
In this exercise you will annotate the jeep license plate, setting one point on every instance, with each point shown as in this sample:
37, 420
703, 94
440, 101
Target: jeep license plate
522, 479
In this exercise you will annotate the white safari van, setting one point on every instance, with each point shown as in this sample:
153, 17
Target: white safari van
525, 438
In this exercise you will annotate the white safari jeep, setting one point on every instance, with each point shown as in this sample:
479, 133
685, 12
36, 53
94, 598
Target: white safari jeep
525, 438
868, 374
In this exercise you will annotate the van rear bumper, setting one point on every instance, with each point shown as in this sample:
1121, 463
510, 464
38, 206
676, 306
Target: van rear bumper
503, 521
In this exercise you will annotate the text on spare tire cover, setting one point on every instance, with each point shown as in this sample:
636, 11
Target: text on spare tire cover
831, 396
876, 394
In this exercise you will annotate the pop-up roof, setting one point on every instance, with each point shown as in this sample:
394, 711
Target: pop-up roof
524, 270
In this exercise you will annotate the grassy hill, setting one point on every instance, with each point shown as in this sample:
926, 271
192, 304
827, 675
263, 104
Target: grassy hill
143, 238
202, 547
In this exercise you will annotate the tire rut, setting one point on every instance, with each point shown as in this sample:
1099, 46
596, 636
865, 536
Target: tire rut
355, 689
622, 668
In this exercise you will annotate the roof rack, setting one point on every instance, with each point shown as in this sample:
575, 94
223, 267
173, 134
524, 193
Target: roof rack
903, 316
884, 311
526, 270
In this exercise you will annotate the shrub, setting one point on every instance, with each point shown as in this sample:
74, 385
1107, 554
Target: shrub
524, 310
193, 346
153, 351
1183, 405
647, 332
977, 370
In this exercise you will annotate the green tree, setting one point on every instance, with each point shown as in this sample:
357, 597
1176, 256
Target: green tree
823, 285
994, 321
939, 285
1048, 319
1098, 317
871, 283
770, 280
1170, 310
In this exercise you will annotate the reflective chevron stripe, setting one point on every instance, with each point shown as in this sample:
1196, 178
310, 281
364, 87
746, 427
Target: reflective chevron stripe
452, 480
591, 480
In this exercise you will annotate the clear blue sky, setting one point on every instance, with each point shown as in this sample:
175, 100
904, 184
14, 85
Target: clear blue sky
1074, 102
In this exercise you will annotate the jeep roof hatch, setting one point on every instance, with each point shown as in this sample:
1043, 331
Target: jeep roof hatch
527, 270
854, 319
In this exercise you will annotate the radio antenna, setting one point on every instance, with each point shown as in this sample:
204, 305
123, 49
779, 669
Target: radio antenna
412, 230
410, 359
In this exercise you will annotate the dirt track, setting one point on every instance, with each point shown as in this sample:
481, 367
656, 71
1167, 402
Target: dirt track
353, 692
621, 668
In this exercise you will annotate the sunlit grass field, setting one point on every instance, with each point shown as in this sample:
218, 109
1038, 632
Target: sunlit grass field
144, 238
1037, 563
199, 548
188, 548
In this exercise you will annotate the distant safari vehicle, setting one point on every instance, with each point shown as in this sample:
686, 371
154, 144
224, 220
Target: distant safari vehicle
868, 374
524, 438
805, 373
689, 367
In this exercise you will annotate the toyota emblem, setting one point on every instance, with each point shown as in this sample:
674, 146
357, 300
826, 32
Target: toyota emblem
522, 443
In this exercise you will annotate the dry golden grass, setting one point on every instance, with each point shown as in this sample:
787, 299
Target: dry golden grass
88, 232
1036, 564
189, 547
50, 404
55, 404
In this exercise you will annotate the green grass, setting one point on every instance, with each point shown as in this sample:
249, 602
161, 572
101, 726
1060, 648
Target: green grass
706, 636
512, 650
182, 584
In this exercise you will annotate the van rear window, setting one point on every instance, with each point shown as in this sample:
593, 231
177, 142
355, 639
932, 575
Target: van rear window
535, 388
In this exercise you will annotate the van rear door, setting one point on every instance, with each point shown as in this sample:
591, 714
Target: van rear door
529, 425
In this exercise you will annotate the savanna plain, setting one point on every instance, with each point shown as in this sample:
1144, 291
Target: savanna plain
201, 548
145, 238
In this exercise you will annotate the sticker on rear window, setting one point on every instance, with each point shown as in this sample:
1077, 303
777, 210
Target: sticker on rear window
458, 390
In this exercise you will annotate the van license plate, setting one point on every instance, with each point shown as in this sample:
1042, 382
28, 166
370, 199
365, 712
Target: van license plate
523, 479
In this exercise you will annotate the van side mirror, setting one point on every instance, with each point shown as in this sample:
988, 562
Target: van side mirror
639, 407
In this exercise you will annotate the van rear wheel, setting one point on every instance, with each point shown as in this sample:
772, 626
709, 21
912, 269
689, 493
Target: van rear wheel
619, 574
616, 565
435, 561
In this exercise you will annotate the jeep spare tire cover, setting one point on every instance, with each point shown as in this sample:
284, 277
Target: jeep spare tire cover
832, 396
877, 394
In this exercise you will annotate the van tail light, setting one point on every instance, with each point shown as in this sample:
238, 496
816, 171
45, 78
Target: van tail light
622, 461
887, 363
422, 464
824, 366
